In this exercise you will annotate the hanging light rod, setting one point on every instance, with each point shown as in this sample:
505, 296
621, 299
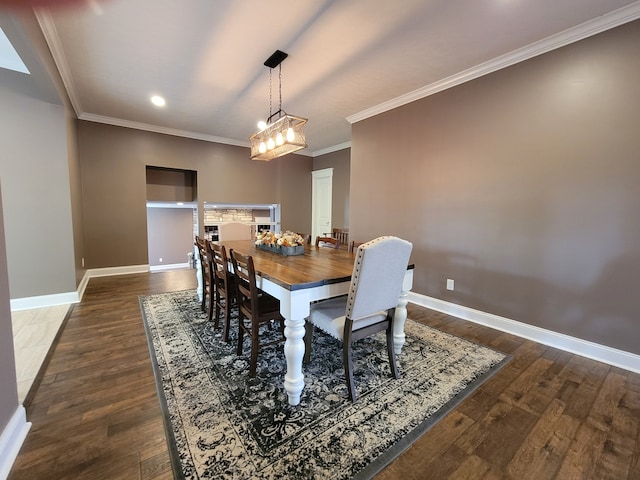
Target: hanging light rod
275, 59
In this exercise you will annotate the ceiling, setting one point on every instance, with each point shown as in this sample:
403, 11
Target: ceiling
348, 59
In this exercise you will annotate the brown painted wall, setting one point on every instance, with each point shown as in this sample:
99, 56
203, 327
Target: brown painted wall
295, 193
114, 161
523, 186
340, 161
170, 232
170, 185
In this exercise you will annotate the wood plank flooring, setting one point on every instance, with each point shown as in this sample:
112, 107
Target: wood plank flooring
547, 414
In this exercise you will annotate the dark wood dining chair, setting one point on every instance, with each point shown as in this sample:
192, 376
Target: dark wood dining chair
307, 238
342, 234
254, 305
207, 287
327, 242
353, 246
224, 287
376, 283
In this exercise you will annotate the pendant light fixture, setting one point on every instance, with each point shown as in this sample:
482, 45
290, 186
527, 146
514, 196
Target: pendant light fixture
282, 133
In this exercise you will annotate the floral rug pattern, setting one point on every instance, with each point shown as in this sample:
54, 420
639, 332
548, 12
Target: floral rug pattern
225, 425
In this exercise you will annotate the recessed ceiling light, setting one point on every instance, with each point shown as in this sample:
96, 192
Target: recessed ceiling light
158, 101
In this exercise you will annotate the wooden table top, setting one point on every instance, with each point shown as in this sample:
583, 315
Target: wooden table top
318, 266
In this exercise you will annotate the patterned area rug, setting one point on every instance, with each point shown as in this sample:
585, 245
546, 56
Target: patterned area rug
223, 424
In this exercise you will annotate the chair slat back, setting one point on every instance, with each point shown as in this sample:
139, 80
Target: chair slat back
341, 234
378, 274
220, 266
353, 245
245, 282
201, 243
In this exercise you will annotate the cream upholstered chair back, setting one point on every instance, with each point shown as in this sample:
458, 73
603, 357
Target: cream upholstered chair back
378, 273
376, 285
234, 231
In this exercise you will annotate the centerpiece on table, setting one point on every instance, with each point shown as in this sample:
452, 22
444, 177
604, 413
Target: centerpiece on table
283, 243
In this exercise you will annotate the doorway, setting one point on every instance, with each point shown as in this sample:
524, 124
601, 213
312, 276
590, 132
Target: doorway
321, 192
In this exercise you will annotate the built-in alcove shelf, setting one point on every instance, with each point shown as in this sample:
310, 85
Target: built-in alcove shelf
260, 217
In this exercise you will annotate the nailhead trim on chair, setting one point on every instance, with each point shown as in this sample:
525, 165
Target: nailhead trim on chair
356, 270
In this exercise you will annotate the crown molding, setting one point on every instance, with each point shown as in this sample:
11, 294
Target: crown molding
57, 52
90, 117
335, 148
572, 35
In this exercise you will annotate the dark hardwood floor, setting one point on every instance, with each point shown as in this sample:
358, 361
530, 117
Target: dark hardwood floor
547, 414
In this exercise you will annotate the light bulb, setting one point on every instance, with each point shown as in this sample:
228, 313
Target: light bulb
158, 101
279, 139
262, 148
262, 124
270, 143
291, 136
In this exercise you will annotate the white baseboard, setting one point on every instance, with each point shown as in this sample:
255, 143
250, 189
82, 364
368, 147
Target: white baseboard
11, 440
42, 301
173, 266
108, 271
602, 353
68, 298
83, 284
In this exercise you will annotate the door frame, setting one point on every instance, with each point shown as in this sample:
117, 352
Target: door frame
321, 189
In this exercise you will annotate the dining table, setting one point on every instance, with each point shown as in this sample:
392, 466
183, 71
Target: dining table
298, 281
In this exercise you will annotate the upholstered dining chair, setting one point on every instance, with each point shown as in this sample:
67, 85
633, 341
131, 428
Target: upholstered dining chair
207, 286
369, 307
327, 242
254, 305
234, 231
224, 298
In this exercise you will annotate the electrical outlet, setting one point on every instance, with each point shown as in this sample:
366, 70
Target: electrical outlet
449, 284
160, 259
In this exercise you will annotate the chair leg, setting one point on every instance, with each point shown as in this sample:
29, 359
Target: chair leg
255, 346
216, 323
227, 320
392, 352
203, 304
240, 333
348, 369
211, 309
308, 339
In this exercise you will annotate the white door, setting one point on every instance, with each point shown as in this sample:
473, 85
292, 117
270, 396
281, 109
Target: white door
321, 208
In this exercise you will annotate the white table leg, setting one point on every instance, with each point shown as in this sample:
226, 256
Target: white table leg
200, 288
399, 319
293, 352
